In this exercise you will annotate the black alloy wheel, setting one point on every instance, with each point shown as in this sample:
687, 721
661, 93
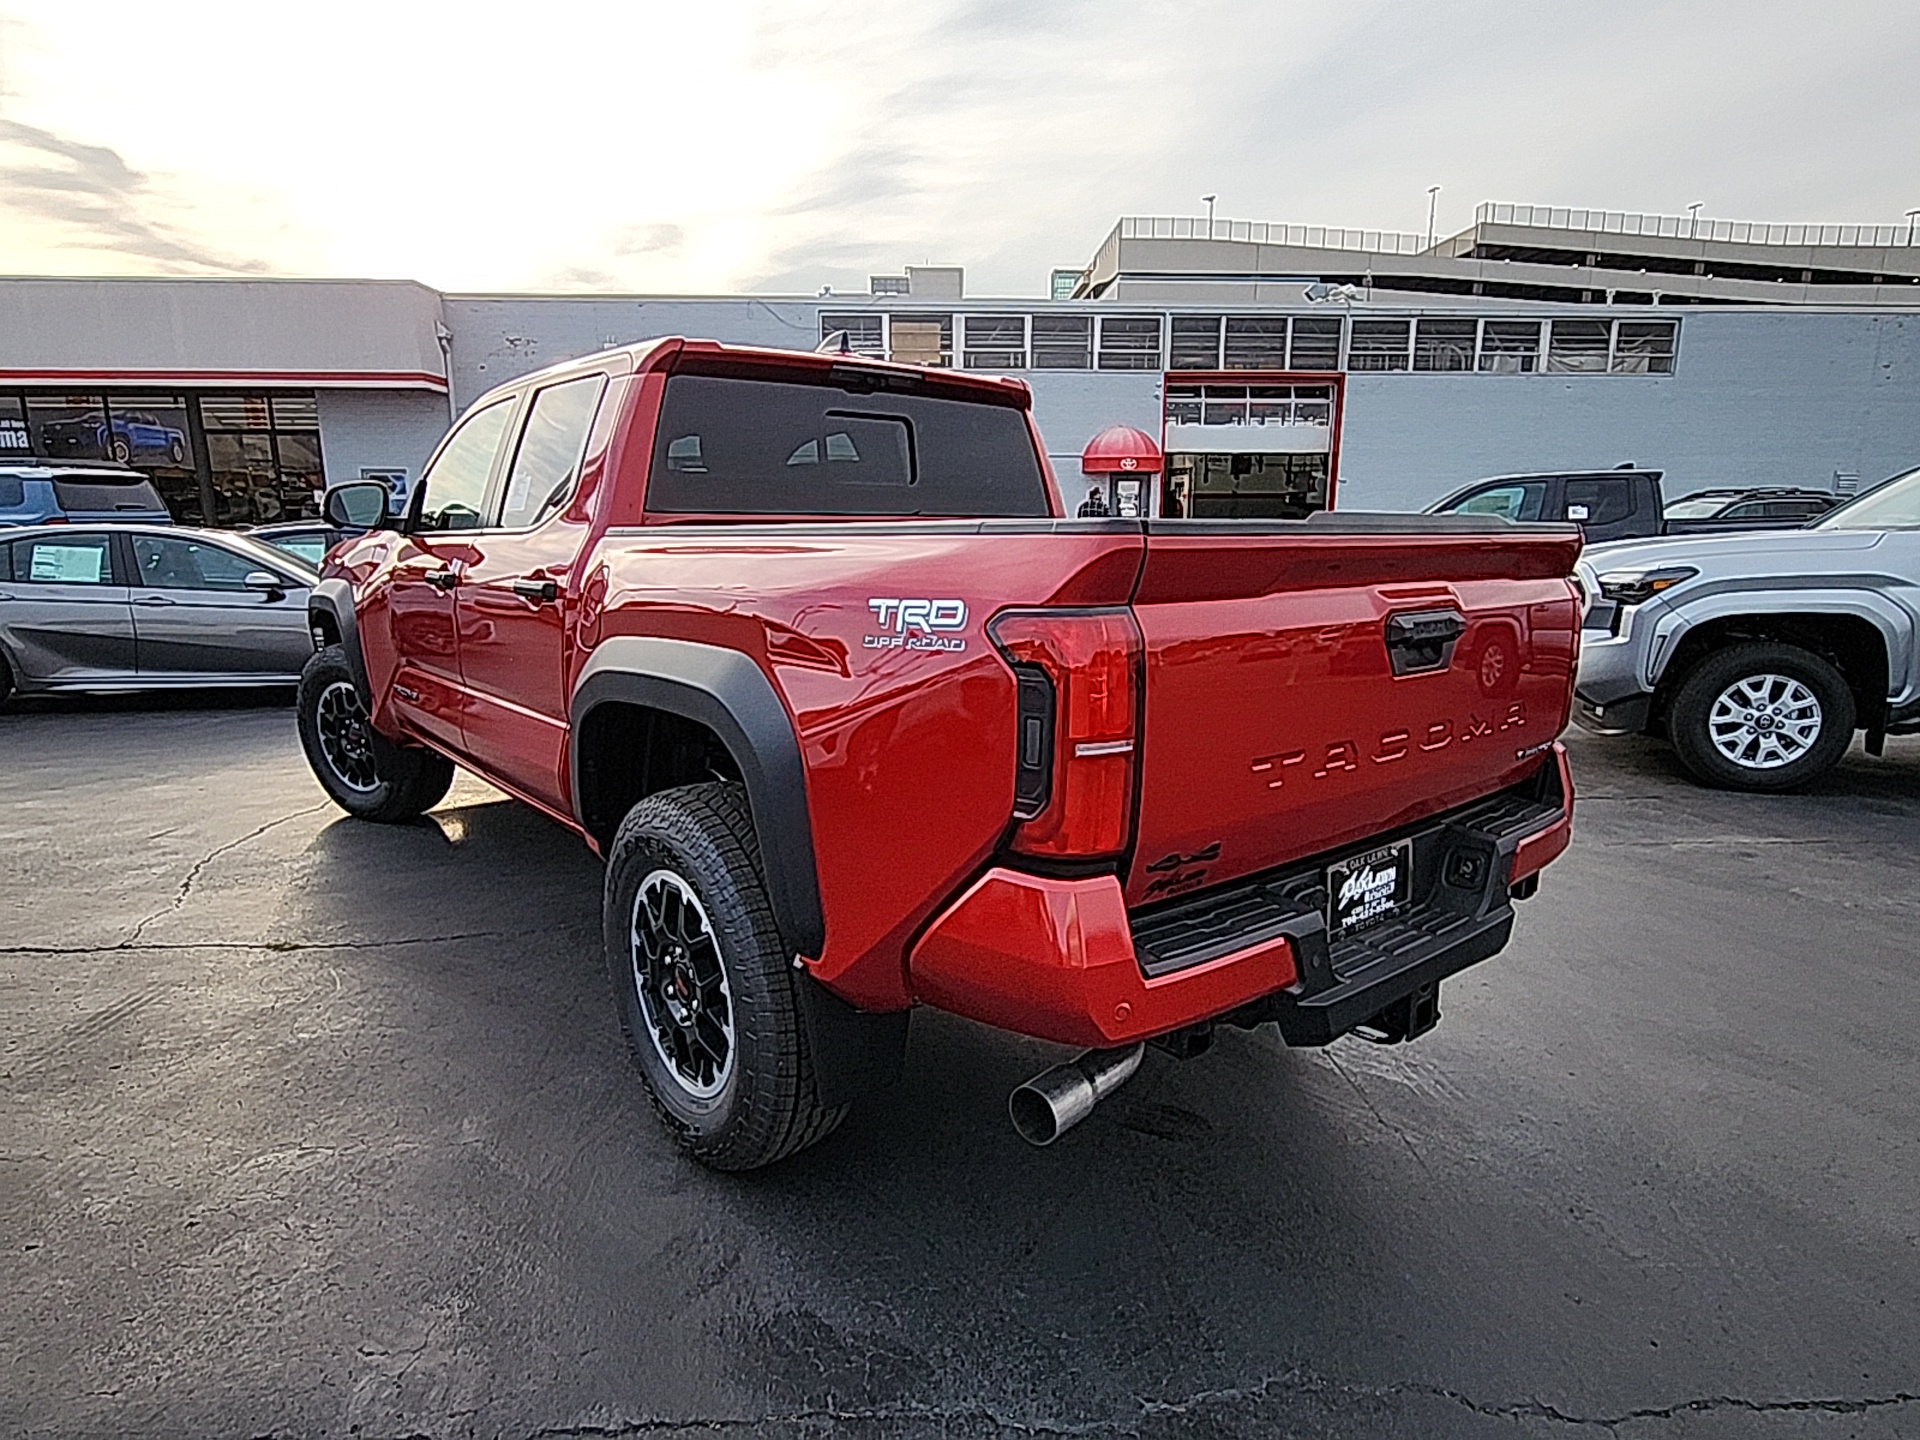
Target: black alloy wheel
365, 774
707, 994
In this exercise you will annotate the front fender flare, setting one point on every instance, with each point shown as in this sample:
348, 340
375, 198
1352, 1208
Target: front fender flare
333, 598
728, 693
1865, 599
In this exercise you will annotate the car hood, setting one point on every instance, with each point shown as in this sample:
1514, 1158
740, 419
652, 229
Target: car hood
1722, 552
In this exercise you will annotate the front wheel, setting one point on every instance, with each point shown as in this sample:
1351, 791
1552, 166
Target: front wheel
367, 775
707, 995
1761, 716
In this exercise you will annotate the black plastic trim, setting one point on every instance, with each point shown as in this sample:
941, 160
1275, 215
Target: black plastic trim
730, 695
333, 597
1461, 913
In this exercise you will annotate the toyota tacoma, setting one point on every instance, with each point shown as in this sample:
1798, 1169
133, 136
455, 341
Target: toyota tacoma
806, 649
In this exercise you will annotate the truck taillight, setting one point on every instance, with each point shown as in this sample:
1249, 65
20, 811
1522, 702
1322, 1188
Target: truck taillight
1079, 692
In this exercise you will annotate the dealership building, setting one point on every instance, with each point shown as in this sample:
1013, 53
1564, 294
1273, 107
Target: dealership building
1270, 369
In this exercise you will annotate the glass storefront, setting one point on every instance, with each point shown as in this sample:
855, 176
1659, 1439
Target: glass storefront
216, 458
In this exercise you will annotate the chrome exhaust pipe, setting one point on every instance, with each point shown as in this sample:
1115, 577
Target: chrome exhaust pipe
1056, 1100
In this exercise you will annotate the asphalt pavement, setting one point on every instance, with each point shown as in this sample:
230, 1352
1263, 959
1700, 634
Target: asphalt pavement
313, 1127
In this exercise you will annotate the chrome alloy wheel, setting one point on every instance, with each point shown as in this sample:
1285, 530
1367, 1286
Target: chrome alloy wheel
1761, 722
346, 739
681, 980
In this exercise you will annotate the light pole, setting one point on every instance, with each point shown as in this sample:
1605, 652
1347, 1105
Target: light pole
1209, 199
1910, 215
1693, 217
1433, 199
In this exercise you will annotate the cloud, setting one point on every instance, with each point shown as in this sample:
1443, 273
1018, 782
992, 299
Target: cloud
656, 239
97, 202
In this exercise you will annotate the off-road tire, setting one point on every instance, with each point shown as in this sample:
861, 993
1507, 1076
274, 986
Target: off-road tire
399, 782
1692, 709
767, 1107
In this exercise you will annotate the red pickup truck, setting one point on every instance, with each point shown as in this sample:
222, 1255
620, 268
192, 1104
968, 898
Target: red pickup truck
804, 646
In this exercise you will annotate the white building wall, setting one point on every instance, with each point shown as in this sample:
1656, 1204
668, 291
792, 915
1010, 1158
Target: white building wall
1756, 398
378, 429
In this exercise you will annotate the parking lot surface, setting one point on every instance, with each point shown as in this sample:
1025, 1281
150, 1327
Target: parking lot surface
313, 1127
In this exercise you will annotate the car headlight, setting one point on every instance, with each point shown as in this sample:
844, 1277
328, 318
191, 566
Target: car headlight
1630, 587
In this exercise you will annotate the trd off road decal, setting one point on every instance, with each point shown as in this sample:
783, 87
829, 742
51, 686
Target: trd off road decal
917, 624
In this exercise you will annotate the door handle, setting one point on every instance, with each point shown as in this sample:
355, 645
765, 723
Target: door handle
153, 600
543, 592
442, 579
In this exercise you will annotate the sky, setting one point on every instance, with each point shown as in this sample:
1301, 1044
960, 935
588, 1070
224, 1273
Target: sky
718, 146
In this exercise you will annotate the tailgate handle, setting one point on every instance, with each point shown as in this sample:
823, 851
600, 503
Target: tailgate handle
1423, 640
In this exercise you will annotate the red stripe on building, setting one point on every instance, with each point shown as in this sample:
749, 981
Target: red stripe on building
264, 379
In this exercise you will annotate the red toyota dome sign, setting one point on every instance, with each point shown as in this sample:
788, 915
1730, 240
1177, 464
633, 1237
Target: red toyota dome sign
1121, 449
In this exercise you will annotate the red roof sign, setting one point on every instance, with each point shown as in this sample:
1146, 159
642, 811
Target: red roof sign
1123, 449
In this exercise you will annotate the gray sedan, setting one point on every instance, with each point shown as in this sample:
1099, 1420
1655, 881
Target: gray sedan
148, 607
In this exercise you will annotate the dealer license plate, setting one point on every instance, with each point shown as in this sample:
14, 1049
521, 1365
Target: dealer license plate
1363, 890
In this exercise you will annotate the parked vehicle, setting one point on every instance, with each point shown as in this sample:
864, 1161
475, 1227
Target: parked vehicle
48, 492
1759, 656
803, 645
134, 434
308, 539
139, 607
1626, 503
1754, 508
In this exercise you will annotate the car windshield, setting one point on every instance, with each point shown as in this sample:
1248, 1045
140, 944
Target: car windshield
1695, 507
1894, 505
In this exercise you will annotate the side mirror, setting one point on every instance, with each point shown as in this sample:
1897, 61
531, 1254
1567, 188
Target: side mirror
268, 583
357, 505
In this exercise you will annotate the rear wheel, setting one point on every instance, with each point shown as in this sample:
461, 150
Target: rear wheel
1762, 716
707, 995
367, 775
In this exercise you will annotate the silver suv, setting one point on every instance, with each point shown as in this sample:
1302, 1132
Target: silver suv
1759, 654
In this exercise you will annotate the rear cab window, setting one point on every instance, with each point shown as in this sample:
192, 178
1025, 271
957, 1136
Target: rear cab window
839, 443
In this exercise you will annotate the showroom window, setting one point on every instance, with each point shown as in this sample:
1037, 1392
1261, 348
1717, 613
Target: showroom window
1194, 342
1444, 344
1378, 345
1256, 342
1579, 347
263, 455
866, 334
1510, 347
1063, 342
1129, 342
1315, 344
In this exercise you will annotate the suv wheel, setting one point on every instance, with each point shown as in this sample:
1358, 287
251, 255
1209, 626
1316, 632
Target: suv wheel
707, 995
1761, 717
367, 775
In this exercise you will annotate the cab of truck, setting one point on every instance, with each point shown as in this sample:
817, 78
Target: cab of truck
1620, 504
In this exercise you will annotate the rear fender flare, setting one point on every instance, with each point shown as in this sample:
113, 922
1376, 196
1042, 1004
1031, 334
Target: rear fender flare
730, 695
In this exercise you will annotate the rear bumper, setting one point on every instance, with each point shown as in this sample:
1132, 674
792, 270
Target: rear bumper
1064, 960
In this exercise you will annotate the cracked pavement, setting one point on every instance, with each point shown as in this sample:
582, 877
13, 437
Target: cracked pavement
317, 1128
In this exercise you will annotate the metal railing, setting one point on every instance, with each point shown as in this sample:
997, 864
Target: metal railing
1685, 227
1261, 232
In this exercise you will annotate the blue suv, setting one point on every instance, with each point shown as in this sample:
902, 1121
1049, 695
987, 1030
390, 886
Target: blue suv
48, 492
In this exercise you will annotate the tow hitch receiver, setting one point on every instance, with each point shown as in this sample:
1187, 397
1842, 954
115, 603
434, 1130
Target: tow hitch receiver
1406, 1019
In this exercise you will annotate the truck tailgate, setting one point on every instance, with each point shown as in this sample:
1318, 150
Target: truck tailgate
1311, 684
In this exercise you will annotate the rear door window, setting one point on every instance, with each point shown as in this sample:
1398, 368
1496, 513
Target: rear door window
546, 466
63, 560
728, 445
1599, 502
